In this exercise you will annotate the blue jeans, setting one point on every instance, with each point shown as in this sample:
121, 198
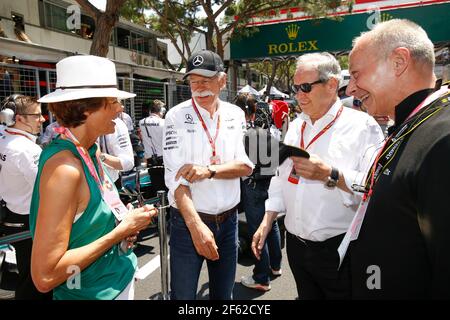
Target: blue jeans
186, 263
254, 195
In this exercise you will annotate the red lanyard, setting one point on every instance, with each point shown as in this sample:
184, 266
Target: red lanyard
212, 141
18, 134
317, 136
86, 157
372, 178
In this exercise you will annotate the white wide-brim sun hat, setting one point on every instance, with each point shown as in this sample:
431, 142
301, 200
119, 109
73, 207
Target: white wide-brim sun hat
80, 77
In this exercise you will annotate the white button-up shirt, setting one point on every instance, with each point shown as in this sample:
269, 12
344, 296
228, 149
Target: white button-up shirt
152, 135
49, 133
125, 117
19, 158
118, 144
314, 212
185, 142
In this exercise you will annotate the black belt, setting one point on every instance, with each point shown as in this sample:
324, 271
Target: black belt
155, 161
331, 242
6, 215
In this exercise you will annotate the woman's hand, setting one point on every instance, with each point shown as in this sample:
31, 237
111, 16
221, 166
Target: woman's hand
136, 220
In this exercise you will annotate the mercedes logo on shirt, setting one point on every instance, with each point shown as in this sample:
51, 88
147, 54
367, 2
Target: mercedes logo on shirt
189, 119
198, 60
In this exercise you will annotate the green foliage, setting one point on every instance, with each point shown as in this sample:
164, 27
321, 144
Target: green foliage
133, 10
343, 61
179, 19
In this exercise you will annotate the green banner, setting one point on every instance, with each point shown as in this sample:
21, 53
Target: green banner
295, 38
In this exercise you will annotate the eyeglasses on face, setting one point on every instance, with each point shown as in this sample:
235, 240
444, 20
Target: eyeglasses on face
304, 87
113, 102
357, 103
202, 82
31, 114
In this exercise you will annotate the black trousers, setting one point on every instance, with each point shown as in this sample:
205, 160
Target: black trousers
156, 172
315, 269
25, 289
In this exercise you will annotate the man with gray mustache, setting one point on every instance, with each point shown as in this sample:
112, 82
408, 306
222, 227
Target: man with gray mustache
202, 94
204, 158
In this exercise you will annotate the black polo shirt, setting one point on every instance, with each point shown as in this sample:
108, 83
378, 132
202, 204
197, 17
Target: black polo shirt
403, 249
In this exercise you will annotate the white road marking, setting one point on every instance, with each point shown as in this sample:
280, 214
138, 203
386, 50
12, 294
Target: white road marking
148, 268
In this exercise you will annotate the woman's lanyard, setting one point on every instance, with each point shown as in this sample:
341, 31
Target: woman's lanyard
293, 178
86, 157
18, 134
109, 194
214, 158
391, 145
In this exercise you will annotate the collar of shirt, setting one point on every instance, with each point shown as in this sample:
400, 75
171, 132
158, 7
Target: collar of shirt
205, 113
404, 108
331, 113
30, 136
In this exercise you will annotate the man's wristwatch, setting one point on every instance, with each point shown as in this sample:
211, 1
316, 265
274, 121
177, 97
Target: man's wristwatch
212, 172
102, 157
332, 179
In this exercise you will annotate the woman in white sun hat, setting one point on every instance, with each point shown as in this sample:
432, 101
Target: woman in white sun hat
80, 250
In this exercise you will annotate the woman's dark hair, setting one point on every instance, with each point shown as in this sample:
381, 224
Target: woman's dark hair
71, 113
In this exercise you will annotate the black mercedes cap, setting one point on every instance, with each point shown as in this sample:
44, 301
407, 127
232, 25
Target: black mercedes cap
204, 63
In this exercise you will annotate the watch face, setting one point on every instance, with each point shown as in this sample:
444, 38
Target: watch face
331, 183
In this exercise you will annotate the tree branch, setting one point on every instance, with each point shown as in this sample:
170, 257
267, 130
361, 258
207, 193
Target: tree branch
162, 16
89, 7
224, 6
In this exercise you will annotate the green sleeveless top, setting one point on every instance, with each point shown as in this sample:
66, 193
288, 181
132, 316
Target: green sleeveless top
110, 274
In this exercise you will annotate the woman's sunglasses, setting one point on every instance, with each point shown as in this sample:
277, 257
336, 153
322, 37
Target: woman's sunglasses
304, 87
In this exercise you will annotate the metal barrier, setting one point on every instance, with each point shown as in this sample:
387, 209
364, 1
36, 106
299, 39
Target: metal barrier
146, 91
19, 236
164, 254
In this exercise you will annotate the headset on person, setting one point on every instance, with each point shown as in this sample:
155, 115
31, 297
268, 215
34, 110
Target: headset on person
9, 108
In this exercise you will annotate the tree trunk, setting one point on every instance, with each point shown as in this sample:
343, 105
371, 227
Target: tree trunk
248, 74
271, 78
103, 29
220, 49
209, 39
104, 24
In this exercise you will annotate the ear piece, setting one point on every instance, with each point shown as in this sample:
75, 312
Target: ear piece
7, 117
8, 113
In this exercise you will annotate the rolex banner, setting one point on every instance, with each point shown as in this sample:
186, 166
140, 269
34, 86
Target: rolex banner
299, 37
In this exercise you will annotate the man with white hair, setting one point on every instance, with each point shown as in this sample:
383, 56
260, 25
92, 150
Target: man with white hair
316, 193
204, 157
402, 248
